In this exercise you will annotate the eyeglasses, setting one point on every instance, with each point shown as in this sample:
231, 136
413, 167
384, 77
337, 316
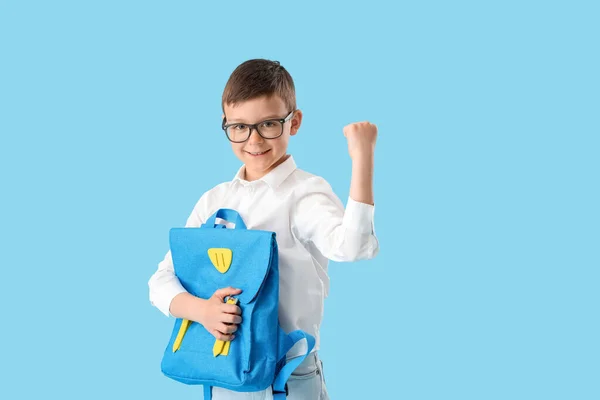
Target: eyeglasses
268, 129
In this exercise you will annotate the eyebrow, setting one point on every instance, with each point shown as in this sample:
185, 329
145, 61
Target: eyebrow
241, 121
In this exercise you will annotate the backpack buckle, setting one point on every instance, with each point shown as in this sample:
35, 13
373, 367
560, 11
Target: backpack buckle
280, 392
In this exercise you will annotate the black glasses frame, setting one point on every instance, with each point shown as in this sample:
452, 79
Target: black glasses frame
255, 126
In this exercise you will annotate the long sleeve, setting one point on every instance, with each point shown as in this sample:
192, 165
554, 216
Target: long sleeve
339, 234
164, 284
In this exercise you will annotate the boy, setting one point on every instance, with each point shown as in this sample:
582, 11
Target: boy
270, 193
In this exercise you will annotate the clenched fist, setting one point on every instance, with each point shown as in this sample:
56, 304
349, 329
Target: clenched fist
361, 138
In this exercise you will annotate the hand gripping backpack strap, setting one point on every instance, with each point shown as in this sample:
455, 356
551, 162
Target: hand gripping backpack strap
286, 343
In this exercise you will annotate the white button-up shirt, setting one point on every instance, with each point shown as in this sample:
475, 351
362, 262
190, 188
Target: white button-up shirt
311, 228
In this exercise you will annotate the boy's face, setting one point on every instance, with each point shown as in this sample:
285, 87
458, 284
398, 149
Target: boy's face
273, 151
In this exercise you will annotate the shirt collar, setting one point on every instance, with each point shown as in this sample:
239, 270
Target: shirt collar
275, 177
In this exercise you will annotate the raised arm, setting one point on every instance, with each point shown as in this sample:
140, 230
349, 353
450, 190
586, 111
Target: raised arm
319, 216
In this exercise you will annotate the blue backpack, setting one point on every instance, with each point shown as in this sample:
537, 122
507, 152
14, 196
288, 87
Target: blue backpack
209, 258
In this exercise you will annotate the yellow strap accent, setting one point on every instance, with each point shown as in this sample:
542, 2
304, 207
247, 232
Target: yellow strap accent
225, 351
182, 329
218, 347
220, 258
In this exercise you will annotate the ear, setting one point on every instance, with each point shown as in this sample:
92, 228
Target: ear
296, 121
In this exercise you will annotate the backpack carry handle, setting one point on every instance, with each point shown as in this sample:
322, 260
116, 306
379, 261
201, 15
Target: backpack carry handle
226, 214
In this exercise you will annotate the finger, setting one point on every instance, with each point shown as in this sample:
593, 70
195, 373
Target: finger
231, 318
220, 336
227, 328
228, 291
231, 309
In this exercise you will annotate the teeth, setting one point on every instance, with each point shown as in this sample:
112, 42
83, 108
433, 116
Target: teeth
255, 154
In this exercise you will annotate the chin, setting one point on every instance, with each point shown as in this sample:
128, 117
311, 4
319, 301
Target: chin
260, 164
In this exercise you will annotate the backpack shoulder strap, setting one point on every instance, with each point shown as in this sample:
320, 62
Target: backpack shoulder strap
286, 342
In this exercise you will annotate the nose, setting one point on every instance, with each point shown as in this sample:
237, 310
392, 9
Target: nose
254, 137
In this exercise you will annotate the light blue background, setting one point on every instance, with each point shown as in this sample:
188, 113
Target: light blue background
486, 187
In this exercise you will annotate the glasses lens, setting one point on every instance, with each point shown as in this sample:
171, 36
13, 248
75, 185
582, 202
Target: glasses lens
270, 129
238, 133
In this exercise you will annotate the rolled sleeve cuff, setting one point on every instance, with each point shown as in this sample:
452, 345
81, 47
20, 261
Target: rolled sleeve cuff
168, 291
359, 217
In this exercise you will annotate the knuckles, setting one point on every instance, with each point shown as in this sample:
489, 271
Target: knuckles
365, 126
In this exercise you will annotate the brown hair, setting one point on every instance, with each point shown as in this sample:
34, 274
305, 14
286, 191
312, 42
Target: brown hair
256, 78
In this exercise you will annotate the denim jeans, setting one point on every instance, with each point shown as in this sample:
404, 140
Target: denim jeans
306, 383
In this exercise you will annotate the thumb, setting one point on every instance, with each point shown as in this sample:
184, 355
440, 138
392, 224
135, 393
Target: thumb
228, 291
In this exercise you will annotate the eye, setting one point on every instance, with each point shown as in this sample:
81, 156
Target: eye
268, 124
239, 126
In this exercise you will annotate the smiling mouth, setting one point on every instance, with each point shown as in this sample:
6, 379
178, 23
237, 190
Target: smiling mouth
258, 154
